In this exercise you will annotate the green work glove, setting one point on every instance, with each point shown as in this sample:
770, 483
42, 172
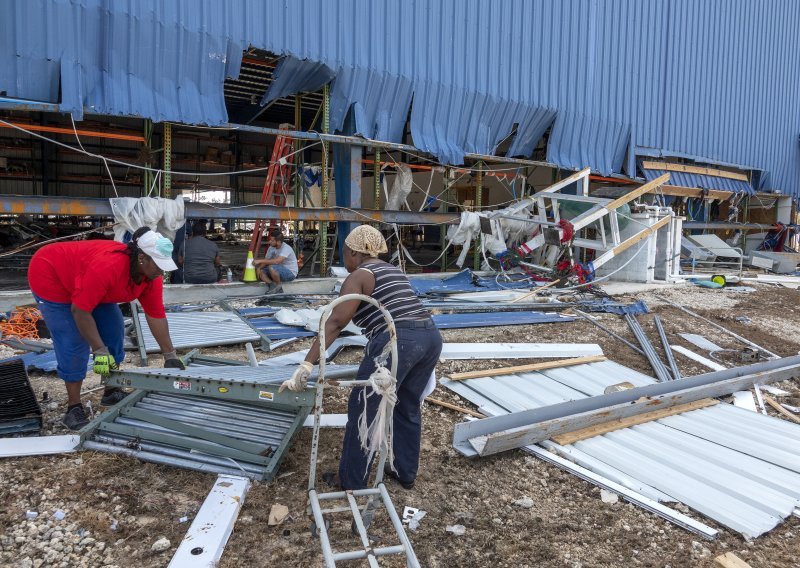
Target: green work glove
104, 362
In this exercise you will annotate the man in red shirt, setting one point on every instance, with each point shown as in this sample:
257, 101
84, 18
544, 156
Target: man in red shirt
77, 286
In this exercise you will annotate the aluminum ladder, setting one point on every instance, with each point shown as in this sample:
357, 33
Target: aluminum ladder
377, 495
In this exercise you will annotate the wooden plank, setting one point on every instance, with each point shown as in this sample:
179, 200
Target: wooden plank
670, 167
730, 560
526, 368
587, 218
454, 407
536, 291
781, 410
618, 424
681, 191
638, 192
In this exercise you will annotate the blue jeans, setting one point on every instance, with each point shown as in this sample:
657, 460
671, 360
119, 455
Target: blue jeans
419, 345
284, 273
72, 351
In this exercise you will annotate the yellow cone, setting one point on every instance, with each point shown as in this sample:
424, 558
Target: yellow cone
249, 269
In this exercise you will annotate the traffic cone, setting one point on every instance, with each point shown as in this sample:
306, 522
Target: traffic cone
249, 269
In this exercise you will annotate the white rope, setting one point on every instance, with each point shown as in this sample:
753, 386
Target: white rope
380, 432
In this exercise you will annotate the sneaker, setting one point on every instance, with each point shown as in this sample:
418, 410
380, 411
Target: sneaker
75, 418
387, 472
112, 396
274, 288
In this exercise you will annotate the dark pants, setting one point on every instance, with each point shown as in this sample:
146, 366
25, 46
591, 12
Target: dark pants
419, 345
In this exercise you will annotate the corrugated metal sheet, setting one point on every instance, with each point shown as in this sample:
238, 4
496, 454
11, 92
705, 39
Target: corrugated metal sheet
685, 179
738, 467
200, 329
706, 80
262, 375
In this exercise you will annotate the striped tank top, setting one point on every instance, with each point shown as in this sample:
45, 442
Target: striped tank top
394, 292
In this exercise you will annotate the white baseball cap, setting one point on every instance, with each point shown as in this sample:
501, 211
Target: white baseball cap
159, 249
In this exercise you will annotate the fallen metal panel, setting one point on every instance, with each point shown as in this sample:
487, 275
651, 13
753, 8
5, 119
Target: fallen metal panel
517, 350
705, 361
769, 439
242, 383
700, 341
200, 329
458, 321
206, 539
745, 494
38, 445
646, 503
268, 429
750, 478
541, 423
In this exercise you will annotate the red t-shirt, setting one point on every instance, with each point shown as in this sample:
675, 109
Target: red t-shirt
89, 273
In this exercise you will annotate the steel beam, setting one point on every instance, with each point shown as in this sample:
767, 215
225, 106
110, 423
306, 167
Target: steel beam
93, 207
497, 434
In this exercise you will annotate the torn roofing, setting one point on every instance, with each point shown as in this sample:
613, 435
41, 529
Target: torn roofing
605, 76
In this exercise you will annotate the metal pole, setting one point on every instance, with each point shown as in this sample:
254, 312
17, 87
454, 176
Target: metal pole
167, 160
376, 172
323, 232
147, 175
719, 327
94, 207
448, 181
588, 318
655, 362
298, 119
476, 255
673, 365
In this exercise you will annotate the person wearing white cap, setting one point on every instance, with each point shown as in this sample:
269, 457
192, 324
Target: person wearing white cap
77, 286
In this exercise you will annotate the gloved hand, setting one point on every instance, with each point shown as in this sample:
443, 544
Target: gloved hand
172, 361
299, 379
104, 362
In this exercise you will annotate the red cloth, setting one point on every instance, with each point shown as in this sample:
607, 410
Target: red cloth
89, 273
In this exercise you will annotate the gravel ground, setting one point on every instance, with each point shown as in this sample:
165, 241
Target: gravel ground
515, 510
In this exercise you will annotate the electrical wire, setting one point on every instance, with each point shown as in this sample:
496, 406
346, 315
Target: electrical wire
42, 243
140, 167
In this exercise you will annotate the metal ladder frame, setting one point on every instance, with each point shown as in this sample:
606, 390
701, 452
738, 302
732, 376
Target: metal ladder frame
376, 495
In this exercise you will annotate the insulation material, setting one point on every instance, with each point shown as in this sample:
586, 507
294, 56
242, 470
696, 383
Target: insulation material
400, 188
165, 216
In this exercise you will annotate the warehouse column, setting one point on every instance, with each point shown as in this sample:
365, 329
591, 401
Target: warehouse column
347, 179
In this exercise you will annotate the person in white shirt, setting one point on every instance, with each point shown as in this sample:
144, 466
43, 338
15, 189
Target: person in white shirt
279, 265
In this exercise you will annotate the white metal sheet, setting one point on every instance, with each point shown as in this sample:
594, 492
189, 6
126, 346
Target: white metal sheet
38, 445
700, 341
705, 361
206, 539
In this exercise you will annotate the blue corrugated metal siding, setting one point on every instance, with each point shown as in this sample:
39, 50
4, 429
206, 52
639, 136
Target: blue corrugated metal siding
713, 80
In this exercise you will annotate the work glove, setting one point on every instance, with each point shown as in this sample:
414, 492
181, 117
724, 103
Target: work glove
299, 379
172, 361
104, 362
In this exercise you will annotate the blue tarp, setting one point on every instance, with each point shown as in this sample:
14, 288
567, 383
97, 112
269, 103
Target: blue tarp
45, 362
611, 307
276, 330
464, 281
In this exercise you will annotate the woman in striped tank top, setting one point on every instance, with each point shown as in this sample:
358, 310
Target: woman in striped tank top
419, 346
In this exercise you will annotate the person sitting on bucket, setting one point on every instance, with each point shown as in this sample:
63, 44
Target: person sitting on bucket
419, 345
77, 286
279, 265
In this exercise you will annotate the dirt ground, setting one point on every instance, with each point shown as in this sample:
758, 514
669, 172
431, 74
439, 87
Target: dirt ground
116, 508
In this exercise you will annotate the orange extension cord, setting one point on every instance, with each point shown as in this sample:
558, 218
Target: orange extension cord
21, 323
